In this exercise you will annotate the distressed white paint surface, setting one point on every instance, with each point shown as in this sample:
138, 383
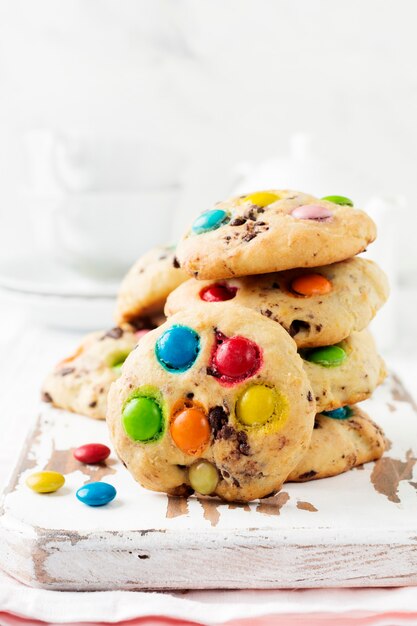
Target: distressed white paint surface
357, 536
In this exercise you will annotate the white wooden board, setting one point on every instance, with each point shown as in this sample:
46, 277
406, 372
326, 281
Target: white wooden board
357, 529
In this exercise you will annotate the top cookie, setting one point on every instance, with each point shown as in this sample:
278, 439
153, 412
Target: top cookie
147, 285
270, 231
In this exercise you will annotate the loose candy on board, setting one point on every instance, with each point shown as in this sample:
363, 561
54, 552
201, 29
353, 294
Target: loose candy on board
341, 413
209, 220
327, 356
45, 481
96, 494
203, 477
311, 285
142, 418
91, 453
177, 348
312, 212
341, 200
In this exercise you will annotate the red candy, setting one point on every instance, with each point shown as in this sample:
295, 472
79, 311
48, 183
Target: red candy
236, 358
92, 453
218, 293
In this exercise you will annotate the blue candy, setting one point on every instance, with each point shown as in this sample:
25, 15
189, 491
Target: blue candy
177, 348
341, 413
209, 220
96, 494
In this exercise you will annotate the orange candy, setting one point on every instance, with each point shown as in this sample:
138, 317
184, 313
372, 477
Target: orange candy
311, 285
190, 430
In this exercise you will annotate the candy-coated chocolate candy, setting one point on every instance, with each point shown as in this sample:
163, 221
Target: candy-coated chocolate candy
91, 453
96, 494
218, 293
311, 285
312, 212
142, 418
342, 200
237, 358
261, 198
203, 477
177, 348
209, 220
45, 482
116, 361
256, 405
328, 356
190, 430
342, 413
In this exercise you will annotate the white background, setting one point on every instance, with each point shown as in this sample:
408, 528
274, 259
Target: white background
227, 80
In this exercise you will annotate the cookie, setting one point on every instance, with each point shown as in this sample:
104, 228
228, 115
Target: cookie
147, 284
345, 373
317, 307
213, 401
271, 231
80, 383
343, 439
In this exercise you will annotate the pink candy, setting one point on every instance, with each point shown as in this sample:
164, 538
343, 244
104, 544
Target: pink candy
140, 333
312, 212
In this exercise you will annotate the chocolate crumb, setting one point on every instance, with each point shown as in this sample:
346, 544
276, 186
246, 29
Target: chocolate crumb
190, 395
46, 397
309, 396
243, 445
66, 370
238, 221
307, 475
249, 237
175, 262
218, 419
114, 333
319, 327
267, 313
93, 404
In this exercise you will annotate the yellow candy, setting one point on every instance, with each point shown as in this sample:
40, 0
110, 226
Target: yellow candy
45, 482
258, 404
203, 477
261, 198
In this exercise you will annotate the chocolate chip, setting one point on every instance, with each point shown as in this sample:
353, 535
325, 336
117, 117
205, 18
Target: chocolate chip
307, 475
238, 221
66, 370
267, 313
227, 432
249, 237
309, 396
319, 327
218, 419
114, 333
46, 397
93, 404
175, 262
297, 326
243, 445
190, 395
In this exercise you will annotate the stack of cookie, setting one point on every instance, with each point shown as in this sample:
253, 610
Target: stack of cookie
254, 377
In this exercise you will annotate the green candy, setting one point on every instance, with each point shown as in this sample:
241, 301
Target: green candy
142, 418
342, 200
329, 356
